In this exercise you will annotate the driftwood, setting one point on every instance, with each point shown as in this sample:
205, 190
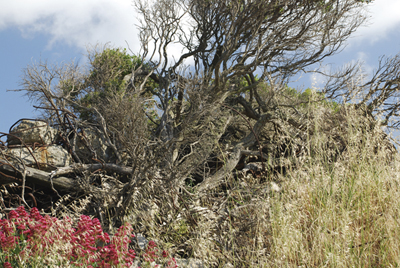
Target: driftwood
92, 167
8, 172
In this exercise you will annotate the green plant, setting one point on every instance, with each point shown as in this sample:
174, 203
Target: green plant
106, 77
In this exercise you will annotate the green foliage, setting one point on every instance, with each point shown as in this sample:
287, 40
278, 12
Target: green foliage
106, 77
109, 69
301, 98
309, 96
105, 81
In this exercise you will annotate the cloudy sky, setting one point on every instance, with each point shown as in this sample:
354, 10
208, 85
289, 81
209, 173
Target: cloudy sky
61, 30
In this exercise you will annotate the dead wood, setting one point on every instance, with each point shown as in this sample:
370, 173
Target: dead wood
35, 176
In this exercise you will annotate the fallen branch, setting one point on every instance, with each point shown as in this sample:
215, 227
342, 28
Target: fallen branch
35, 176
92, 167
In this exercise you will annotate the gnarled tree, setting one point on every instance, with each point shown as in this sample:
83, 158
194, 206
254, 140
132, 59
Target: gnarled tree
181, 125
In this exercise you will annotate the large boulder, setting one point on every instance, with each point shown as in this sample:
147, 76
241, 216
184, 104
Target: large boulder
31, 132
48, 157
34, 143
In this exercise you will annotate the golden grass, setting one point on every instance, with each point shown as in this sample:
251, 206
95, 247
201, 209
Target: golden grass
327, 214
344, 214
345, 217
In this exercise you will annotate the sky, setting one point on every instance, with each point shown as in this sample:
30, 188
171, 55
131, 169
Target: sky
61, 31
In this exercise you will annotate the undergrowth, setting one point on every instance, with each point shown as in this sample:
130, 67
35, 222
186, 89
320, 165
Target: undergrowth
321, 213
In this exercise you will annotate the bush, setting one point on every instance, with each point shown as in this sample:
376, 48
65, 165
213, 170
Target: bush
32, 240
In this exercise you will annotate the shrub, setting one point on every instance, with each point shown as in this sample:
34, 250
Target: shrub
33, 240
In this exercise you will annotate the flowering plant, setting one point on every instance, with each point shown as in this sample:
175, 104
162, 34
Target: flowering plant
33, 240
152, 253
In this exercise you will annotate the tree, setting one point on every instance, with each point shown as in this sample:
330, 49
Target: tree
232, 40
182, 127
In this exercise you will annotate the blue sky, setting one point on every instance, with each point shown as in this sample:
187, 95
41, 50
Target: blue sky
61, 30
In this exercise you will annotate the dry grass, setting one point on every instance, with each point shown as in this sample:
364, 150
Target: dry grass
327, 214
344, 217
342, 214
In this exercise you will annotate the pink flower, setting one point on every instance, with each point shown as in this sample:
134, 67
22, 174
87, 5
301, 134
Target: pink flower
39, 236
164, 254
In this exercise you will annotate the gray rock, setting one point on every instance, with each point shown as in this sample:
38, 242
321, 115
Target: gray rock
186, 263
142, 241
190, 263
54, 155
32, 132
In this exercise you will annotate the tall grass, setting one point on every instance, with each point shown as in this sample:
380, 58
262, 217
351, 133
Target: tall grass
341, 214
345, 217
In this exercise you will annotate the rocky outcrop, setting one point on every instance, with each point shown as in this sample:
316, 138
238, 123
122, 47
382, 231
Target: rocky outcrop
32, 132
34, 143
39, 145
46, 157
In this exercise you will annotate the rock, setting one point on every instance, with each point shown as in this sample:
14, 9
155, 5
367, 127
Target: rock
187, 263
190, 263
275, 187
32, 132
98, 145
184, 263
142, 241
253, 166
47, 156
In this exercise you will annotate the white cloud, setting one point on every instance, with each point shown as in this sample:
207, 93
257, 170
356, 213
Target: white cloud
384, 19
83, 22
74, 22
79, 23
